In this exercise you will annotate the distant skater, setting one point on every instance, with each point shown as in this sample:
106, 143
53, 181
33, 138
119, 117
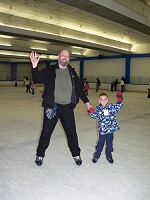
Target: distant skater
15, 82
116, 84
27, 84
112, 86
86, 88
122, 83
33, 87
148, 95
98, 83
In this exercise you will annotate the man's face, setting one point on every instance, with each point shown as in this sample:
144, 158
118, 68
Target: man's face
103, 100
64, 57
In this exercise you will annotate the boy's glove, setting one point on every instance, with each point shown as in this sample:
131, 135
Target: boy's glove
91, 110
119, 96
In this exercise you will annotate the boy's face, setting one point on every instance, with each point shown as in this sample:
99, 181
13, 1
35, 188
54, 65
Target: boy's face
103, 100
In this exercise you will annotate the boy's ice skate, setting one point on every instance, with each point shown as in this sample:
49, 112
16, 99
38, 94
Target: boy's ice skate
94, 160
110, 160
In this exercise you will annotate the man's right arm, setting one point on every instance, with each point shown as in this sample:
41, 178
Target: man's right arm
34, 59
36, 75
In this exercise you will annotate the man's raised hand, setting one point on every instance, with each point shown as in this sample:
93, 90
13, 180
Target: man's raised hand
34, 59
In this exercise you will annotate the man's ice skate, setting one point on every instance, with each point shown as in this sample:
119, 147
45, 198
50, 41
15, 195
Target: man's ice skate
78, 160
39, 160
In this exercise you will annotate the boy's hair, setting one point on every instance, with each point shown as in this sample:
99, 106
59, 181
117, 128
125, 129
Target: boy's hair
103, 94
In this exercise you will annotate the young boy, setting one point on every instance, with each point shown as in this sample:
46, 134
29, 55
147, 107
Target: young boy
107, 124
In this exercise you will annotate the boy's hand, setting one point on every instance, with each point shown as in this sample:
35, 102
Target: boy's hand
119, 96
91, 110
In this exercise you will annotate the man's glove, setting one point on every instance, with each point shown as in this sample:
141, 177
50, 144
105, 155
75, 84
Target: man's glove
50, 113
91, 110
119, 96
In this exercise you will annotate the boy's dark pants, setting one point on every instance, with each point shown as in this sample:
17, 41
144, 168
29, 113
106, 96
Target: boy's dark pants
66, 115
109, 145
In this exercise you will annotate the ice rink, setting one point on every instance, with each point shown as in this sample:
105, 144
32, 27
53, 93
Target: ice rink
59, 178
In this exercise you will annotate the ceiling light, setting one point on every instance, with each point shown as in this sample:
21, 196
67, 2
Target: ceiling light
6, 36
53, 57
20, 54
76, 53
42, 49
40, 41
77, 47
14, 54
8, 45
43, 56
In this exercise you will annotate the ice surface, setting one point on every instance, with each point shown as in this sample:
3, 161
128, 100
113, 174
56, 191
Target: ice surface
59, 178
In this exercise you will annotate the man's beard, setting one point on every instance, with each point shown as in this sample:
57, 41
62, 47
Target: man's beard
64, 64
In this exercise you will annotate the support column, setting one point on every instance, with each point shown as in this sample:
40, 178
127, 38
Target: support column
13, 71
127, 70
81, 69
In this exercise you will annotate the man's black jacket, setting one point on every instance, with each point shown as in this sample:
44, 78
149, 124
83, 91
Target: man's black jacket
47, 77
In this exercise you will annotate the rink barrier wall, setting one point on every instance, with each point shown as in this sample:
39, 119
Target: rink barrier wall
104, 86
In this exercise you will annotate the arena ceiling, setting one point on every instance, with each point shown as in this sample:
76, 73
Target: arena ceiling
86, 28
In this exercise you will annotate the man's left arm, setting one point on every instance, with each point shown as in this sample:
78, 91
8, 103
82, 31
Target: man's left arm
80, 91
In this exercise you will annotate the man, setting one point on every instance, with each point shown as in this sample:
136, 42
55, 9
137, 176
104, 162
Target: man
62, 89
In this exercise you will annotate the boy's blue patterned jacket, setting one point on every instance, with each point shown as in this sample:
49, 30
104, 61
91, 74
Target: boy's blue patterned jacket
106, 116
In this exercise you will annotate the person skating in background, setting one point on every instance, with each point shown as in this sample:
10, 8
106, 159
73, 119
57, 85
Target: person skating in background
122, 83
84, 80
112, 86
33, 87
62, 89
16, 83
86, 88
116, 84
106, 113
98, 83
148, 95
24, 80
27, 84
